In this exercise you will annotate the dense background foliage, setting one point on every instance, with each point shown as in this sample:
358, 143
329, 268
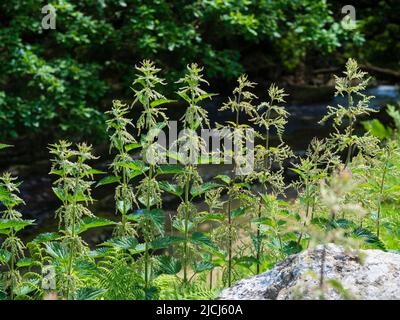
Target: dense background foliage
63, 79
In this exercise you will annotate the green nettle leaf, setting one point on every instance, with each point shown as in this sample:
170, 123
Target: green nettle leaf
202, 239
224, 178
94, 171
197, 191
105, 180
58, 251
155, 216
4, 256
292, 247
370, 238
89, 293
169, 265
7, 224
165, 242
238, 212
299, 172
134, 174
171, 188
60, 194
92, 222
123, 206
343, 224
205, 96
377, 129
160, 102
46, 237
122, 243
245, 261
99, 252
26, 287
4, 195
25, 262
136, 165
132, 146
3, 146
170, 169
201, 266
212, 217
179, 224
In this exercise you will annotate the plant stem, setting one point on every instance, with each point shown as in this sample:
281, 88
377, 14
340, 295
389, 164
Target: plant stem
147, 238
186, 222
229, 244
380, 199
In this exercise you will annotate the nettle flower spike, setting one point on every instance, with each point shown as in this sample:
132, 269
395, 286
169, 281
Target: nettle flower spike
145, 89
242, 100
345, 117
118, 124
273, 115
192, 93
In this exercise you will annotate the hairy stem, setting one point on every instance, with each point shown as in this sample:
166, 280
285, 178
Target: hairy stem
380, 198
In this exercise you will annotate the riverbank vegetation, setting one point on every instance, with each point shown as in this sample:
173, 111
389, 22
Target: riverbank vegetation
233, 226
57, 83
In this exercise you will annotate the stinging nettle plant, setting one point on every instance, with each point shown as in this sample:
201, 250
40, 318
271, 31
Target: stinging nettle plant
73, 188
351, 86
225, 229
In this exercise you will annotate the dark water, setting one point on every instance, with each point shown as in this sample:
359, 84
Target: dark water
41, 202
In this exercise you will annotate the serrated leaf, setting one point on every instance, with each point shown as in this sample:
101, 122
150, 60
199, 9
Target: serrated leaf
4, 256
132, 146
160, 102
8, 224
46, 237
212, 217
224, 178
169, 265
24, 262
238, 212
171, 188
121, 243
369, 238
92, 222
170, 169
197, 191
292, 247
155, 216
57, 250
94, 171
89, 293
4, 195
3, 146
165, 242
205, 96
201, 266
108, 180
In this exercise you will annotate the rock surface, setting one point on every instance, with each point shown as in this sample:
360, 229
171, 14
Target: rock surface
362, 274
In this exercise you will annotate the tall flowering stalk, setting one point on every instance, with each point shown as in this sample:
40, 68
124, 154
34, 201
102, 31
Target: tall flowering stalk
192, 146
12, 246
122, 142
241, 102
73, 188
152, 119
351, 86
269, 170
